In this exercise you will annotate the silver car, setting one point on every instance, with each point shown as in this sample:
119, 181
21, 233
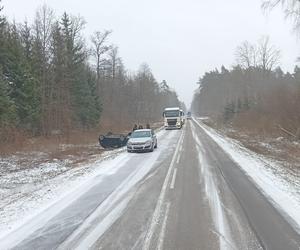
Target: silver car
142, 140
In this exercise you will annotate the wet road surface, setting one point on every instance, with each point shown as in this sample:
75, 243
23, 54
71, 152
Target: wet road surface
187, 194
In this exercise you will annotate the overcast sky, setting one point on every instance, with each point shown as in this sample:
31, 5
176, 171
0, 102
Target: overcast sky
179, 39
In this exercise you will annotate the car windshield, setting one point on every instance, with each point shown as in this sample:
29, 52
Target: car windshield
172, 113
140, 134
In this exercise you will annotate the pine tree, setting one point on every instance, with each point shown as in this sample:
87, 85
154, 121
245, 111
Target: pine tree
80, 82
86, 103
23, 89
8, 114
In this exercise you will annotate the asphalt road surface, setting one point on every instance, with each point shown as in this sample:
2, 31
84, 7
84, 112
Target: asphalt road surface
187, 194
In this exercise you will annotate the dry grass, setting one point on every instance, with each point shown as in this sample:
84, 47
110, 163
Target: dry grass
76, 143
273, 145
46, 144
256, 124
277, 148
260, 135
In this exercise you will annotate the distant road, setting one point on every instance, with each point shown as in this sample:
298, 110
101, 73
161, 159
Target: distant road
187, 194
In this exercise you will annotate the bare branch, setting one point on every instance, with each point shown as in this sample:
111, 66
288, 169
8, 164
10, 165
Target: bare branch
98, 40
291, 9
246, 55
99, 48
268, 55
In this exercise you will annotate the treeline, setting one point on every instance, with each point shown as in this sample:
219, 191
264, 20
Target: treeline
255, 93
52, 80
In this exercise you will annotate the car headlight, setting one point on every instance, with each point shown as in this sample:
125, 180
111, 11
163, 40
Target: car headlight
129, 143
178, 123
148, 143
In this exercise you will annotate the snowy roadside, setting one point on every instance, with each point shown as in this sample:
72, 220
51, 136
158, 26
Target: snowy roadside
32, 182
26, 190
282, 188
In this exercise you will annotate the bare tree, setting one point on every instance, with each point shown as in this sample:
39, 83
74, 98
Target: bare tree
77, 25
114, 61
268, 55
111, 65
246, 55
1, 18
291, 9
43, 25
114, 83
263, 55
99, 48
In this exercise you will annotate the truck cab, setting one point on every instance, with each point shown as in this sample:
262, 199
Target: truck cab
173, 118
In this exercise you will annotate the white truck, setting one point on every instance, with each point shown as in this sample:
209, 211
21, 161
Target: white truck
173, 118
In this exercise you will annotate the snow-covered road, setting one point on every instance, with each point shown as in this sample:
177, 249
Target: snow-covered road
285, 195
94, 196
198, 190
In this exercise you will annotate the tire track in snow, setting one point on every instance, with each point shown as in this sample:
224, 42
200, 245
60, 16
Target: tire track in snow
212, 194
161, 199
96, 225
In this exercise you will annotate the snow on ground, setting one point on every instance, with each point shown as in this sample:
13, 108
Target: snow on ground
28, 191
283, 191
24, 192
110, 210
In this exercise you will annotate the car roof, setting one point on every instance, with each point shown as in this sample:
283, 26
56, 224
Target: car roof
143, 130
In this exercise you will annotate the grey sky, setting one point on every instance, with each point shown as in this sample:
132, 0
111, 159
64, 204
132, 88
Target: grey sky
180, 40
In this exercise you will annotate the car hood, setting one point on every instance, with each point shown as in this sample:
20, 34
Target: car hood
139, 140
